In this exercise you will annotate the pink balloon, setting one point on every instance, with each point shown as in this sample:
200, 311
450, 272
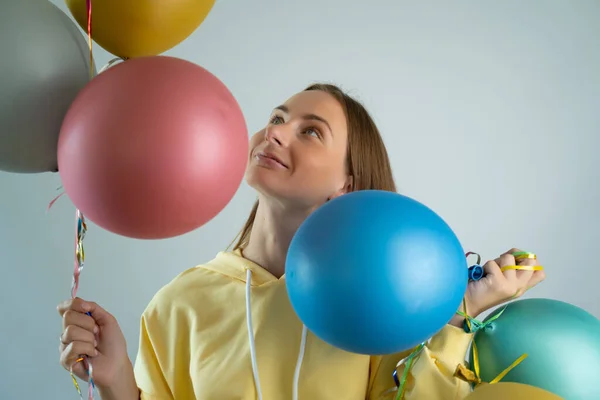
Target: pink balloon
153, 148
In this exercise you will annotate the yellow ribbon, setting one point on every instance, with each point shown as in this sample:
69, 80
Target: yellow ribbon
523, 255
76, 386
80, 359
522, 268
477, 376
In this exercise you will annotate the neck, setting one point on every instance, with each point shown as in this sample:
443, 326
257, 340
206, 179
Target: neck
273, 230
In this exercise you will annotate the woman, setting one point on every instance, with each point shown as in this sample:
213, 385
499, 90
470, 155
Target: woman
226, 330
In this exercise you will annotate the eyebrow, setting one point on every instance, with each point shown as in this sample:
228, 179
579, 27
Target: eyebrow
315, 117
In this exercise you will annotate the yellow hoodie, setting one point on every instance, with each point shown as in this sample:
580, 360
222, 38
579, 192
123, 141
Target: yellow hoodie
226, 331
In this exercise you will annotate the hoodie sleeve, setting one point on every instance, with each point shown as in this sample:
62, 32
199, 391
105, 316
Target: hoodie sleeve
432, 374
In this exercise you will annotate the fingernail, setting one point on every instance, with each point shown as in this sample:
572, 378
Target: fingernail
85, 307
95, 343
96, 329
95, 352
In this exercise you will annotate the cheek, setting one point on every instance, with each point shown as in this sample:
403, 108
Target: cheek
325, 167
256, 139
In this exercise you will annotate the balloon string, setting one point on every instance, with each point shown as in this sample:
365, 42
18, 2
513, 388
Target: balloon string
89, 34
472, 253
54, 201
473, 326
476, 271
80, 231
408, 363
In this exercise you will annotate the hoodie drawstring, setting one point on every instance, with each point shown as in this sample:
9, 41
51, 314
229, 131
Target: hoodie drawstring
253, 345
299, 363
251, 335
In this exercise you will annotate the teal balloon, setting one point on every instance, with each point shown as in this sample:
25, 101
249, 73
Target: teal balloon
562, 342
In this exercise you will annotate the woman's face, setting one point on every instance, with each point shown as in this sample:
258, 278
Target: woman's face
300, 156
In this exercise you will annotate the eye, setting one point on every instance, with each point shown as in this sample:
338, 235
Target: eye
312, 132
276, 120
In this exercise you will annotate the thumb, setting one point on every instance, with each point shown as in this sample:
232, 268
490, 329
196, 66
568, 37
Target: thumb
100, 315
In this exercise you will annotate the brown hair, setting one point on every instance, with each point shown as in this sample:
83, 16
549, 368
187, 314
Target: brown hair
367, 159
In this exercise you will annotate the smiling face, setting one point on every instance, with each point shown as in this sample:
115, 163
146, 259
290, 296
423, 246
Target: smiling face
300, 157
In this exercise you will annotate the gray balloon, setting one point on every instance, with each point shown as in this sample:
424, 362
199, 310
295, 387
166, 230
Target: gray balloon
44, 63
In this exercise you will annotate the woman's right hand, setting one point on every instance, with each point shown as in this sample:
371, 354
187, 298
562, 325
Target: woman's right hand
97, 336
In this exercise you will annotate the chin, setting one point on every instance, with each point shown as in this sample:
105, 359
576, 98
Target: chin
283, 192
266, 183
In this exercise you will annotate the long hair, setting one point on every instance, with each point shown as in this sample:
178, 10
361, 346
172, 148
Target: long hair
367, 158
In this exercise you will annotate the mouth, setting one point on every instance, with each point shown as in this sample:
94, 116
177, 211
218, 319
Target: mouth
270, 156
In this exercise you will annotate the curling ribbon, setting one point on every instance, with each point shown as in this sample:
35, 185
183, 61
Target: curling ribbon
474, 376
523, 255
111, 63
81, 226
80, 231
89, 34
408, 363
476, 271
473, 325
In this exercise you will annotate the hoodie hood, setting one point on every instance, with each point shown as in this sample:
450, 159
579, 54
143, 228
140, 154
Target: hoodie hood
235, 266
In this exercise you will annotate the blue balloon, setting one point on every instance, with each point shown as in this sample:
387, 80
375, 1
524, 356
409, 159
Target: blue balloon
375, 272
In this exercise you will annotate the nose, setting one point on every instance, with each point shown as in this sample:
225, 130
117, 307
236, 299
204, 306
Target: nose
277, 135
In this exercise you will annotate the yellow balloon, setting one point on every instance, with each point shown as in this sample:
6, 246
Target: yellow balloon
510, 391
138, 28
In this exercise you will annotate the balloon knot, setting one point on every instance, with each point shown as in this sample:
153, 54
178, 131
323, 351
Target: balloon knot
465, 374
472, 325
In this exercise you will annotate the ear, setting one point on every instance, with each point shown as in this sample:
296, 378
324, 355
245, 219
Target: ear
347, 188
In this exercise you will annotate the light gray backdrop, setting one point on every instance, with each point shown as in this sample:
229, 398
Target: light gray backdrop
490, 110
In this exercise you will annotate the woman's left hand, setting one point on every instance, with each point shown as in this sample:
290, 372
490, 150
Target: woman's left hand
502, 283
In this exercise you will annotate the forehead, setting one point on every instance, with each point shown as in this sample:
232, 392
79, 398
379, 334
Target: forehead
319, 103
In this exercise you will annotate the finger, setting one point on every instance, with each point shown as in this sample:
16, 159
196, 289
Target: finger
530, 260
525, 275
75, 304
536, 278
79, 370
507, 260
513, 251
74, 351
491, 268
83, 321
77, 334
100, 315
